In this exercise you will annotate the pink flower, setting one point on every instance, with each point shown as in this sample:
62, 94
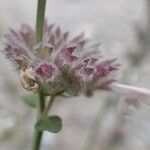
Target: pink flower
59, 64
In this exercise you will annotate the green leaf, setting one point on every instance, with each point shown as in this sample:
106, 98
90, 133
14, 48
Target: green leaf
31, 100
52, 124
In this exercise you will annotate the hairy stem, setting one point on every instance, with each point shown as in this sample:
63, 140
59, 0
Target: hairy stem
40, 20
37, 140
37, 134
50, 103
130, 90
39, 37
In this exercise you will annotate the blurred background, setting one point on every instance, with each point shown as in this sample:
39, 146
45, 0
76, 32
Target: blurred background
106, 121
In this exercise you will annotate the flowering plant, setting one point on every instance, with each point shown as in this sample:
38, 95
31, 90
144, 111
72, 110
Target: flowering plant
57, 65
52, 64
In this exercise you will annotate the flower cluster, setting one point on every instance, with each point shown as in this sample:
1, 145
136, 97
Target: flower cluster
58, 64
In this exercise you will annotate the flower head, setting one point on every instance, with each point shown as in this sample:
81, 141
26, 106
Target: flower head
58, 64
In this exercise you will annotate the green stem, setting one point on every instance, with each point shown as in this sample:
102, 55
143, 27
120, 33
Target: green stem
39, 37
40, 20
50, 103
38, 135
37, 140
41, 103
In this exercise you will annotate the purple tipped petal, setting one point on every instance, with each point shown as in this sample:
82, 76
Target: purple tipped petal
78, 38
52, 40
58, 32
15, 51
48, 28
14, 34
65, 36
46, 71
27, 34
88, 70
69, 50
106, 67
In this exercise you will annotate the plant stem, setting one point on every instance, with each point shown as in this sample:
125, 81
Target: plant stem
50, 103
130, 90
37, 134
37, 140
41, 103
40, 20
39, 37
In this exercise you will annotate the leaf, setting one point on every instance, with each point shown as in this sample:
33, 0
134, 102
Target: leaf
31, 100
52, 124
